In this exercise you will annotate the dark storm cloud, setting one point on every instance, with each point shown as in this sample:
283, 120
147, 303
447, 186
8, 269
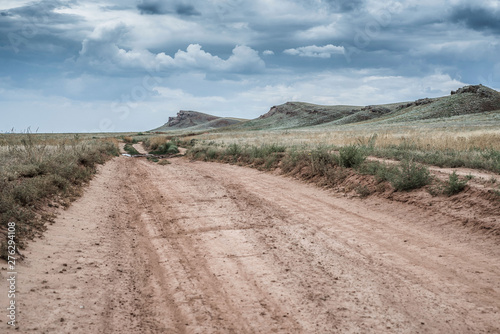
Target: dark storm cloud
156, 7
152, 8
477, 18
187, 10
36, 28
42, 12
345, 5
260, 52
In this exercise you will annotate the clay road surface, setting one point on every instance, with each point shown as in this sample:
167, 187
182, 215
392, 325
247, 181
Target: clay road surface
195, 247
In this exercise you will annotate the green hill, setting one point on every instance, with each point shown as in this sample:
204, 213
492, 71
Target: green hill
464, 101
469, 100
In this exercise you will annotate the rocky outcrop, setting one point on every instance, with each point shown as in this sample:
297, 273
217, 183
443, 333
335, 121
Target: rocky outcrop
196, 121
418, 102
376, 109
188, 118
475, 89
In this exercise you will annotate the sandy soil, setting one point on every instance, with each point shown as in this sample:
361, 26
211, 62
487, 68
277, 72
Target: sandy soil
196, 247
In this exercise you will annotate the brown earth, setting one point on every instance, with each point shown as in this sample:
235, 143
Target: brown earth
197, 247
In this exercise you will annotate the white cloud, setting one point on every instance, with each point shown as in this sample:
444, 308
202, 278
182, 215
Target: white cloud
101, 50
330, 30
357, 88
316, 51
268, 53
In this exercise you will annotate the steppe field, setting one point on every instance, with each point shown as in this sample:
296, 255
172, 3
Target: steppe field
365, 227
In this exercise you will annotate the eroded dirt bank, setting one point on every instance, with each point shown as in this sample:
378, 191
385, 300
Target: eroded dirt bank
212, 248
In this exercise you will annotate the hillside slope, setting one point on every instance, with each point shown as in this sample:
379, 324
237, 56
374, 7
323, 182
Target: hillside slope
464, 101
196, 121
297, 114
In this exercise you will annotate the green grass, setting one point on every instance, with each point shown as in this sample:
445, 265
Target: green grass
351, 156
454, 184
130, 149
409, 175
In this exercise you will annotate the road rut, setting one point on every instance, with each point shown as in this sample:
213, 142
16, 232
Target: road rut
197, 247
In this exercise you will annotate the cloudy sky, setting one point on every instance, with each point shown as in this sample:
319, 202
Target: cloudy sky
127, 65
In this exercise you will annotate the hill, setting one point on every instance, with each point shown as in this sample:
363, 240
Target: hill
464, 101
195, 120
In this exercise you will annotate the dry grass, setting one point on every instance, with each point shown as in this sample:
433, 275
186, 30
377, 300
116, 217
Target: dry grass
420, 139
36, 170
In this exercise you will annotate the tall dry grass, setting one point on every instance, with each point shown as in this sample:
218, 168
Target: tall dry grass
421, 139
458, 148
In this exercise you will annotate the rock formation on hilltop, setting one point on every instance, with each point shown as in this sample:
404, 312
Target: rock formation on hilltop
196, 121
188, 118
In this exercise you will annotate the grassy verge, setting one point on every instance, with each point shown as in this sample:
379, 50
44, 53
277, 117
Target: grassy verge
162, 145
476, 149
33, 174
476, 158
320, 164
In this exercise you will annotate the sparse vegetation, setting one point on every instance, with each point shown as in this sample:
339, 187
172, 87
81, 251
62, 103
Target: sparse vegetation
34, 172
320, 164
164, 162
130, 149
165, 147
129, 140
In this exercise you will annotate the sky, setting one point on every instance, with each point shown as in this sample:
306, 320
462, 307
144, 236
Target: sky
128, 65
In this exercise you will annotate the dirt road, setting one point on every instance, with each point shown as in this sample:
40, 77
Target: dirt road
195, 247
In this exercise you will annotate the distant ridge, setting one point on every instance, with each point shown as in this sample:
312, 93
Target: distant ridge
466, 100
474, 99
195, 120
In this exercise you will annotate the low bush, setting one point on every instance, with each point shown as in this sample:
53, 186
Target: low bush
128, 139
454, 184
409, 175
351, 156
321, 161
165, 148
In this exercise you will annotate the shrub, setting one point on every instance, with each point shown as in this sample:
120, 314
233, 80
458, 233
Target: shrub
351, 156
321, 161
212, 154
166, 148
454, 184
266, 150
409, 175
233, 150
292, 159
362, 190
